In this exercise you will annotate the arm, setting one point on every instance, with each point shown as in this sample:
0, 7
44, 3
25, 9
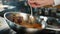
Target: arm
41, 3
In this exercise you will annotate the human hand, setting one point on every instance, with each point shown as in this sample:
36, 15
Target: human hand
40, 3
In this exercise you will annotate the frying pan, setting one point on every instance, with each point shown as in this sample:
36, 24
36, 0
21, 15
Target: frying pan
16, 27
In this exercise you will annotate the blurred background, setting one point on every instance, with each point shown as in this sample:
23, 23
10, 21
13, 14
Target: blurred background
22, 6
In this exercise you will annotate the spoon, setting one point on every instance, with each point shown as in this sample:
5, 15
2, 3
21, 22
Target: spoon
31, 12
31, 16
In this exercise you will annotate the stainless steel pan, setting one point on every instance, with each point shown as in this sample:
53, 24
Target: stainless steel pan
16, 27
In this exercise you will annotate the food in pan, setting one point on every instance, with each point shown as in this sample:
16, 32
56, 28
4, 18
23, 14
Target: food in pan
28, 23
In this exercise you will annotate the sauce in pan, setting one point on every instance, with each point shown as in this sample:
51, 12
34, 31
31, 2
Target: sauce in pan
25, 23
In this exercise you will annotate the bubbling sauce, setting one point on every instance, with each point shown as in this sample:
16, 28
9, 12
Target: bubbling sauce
25, 23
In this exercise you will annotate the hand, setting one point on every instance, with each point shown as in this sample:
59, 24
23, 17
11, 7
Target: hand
40, 3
